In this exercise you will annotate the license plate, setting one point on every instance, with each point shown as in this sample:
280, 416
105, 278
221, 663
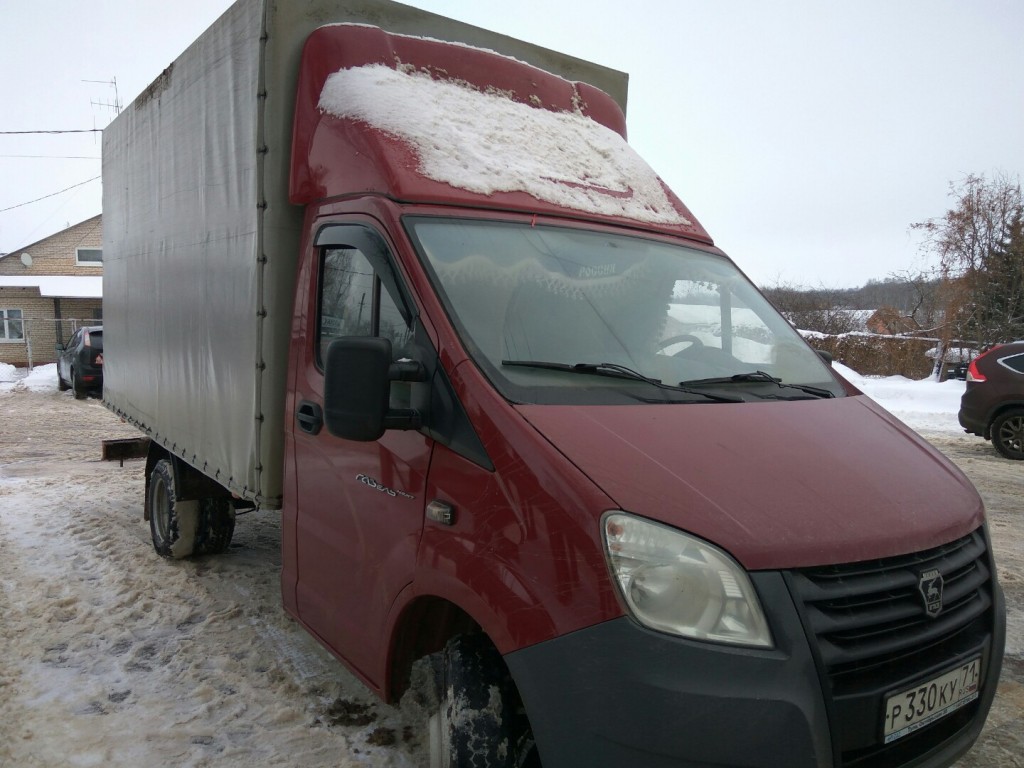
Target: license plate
916, 707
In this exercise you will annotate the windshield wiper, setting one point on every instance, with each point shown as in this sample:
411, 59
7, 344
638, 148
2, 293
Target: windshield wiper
757, 376
617, 371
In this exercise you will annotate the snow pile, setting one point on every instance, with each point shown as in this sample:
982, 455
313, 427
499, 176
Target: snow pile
42, 378
486, 142
926, 406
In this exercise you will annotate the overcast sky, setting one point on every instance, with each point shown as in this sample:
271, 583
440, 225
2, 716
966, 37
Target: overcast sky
805, 135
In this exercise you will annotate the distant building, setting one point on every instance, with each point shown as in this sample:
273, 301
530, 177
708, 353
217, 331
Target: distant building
891, 322
48, 290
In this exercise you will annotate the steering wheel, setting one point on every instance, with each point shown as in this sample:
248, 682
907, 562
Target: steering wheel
695, 344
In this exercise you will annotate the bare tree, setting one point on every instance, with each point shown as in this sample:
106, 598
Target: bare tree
824, 310
980, 246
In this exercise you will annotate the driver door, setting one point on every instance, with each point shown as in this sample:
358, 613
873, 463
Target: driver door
360, 505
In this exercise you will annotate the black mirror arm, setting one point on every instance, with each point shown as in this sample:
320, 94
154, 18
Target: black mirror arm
403, 418
407, 370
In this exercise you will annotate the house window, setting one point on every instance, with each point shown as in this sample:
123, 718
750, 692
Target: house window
89, 257
12, 326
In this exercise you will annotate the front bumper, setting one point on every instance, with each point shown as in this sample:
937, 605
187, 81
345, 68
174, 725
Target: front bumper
618, 694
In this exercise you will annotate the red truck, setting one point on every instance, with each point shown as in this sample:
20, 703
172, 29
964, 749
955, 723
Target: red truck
405, 281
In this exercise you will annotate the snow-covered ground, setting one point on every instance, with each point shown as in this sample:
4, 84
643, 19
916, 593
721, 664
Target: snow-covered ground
115, 657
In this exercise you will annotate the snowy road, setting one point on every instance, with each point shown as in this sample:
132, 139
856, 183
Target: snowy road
114, 657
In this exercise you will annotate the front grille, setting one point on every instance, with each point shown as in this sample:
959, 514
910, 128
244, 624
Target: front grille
873, 636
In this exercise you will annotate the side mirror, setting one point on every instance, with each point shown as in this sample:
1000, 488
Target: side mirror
358, 373
826, 356
58, 347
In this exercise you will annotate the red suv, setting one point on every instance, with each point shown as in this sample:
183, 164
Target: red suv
993, 405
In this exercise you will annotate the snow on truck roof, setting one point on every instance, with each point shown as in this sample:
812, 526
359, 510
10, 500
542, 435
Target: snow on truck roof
485, 142
423, 120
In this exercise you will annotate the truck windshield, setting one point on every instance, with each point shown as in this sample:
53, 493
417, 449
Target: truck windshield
549, 313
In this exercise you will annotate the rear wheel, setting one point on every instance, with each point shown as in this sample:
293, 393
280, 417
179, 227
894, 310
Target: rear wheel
1008, 434
77, 386
216, 525
172, 523
478, 722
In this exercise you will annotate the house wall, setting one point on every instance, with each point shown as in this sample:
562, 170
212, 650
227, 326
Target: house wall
54, 255
41, 328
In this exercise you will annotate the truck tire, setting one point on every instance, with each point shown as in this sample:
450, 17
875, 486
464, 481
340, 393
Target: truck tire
173, 524
1008, 434
61, 386
478, 722
216, 525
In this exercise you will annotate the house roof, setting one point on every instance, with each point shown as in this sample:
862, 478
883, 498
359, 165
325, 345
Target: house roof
94, 220
57, 286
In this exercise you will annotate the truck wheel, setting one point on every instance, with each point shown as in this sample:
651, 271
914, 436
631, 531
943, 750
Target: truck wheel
1008, 434
76, 385
172, 523
61, 386
216, 525
478, 723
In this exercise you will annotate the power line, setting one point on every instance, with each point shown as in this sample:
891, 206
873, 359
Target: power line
52, 194
77, 130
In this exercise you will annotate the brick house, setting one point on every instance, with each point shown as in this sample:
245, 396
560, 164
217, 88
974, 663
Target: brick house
48, 290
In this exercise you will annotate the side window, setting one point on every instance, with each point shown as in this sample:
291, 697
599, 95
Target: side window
354, 301
359, 296
1014, 363
11, 325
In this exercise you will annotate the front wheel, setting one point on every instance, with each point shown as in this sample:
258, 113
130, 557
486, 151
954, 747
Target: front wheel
1008, 434
479, 722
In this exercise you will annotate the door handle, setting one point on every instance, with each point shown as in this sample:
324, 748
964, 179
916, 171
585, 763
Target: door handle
310, 417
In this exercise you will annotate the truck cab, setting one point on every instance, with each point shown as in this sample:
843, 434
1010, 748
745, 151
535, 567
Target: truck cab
557, 423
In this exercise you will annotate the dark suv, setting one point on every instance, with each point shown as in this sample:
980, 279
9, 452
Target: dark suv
993, 405
80, 362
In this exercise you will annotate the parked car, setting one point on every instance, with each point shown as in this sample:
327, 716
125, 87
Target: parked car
993, 404
80, 362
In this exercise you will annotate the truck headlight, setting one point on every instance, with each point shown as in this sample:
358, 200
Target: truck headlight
676, 583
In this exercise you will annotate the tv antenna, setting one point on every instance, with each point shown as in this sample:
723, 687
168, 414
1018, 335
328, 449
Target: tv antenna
114, 106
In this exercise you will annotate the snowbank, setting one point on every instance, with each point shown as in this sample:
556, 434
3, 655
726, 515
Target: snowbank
926, 406
42, 378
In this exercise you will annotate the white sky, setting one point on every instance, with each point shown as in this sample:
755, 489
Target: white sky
806, 136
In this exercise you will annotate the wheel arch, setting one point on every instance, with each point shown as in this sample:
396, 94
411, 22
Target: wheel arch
428, 613
189, 483
999, 410
422, 627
